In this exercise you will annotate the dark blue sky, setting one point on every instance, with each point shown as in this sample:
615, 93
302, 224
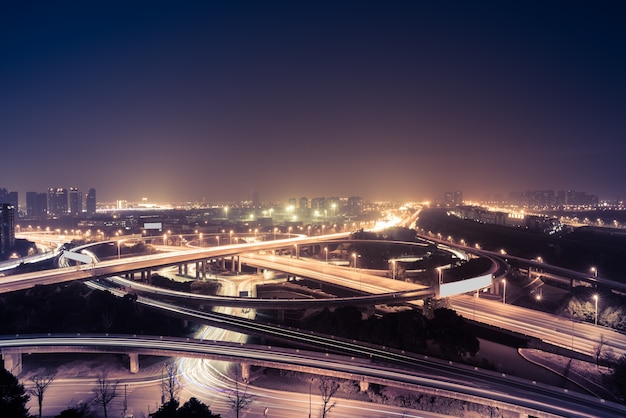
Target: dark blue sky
216, 100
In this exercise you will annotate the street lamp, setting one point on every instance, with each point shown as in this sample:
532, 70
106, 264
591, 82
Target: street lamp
119, 254
354, 257
594, 271
393, 269
231, 237
326, 251
289, 232
595, 298
217, 237
310, 383
504, 291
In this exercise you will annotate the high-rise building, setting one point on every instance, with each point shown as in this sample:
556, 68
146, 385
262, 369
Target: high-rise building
303, 203
355, 205
76, 201
31, 204
452, 199
90, 202
8, 197
7, 229
57, 201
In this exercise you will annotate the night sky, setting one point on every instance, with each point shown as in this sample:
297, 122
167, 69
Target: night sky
216, 100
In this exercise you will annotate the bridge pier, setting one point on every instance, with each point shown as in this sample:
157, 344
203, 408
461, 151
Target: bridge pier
180, 269
134, 362
145, 276
238, 264
245, 372
13, 362
364, 385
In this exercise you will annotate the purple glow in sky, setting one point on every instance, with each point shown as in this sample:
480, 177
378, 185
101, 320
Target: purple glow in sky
198, 100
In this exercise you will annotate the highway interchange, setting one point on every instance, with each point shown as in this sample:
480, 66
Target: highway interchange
580, 337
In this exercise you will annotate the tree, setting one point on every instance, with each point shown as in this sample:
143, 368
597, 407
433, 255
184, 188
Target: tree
328, 388
617, 378
193, 408
13, 397
105, 392
239, 399
450, 332
79, 411
169, 384
40, 384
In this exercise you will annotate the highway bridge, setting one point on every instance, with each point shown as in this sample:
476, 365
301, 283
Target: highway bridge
356, 277
426, 375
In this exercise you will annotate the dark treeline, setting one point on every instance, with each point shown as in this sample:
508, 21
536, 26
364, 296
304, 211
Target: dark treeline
406, 330
74, 307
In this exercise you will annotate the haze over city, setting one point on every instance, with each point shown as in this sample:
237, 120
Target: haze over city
219, 100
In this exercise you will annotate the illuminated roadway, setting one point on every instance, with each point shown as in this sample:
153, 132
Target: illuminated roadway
457, 381
468, 307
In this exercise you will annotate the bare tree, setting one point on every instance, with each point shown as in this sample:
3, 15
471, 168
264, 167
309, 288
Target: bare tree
40, 384
239, 399
328, 388
169, 384
105, 392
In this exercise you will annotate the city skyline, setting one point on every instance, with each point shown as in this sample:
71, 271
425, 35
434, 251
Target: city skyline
216, 102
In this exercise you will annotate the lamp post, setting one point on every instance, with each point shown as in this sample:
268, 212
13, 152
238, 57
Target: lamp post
594, 271
217, 237
393, 269
595, 298
119, 255
310, 383
326, 252
354, 257
230, 234
504, 291
289, 232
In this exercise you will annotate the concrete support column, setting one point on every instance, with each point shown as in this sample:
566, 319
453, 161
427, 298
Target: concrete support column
180, 269
134, 362
149, 276
245, 372
364, 385
223, 263
13, 362
238, 264
185, 269
198, 272
281, 316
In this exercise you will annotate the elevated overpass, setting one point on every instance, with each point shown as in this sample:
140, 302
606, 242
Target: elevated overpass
425, 375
